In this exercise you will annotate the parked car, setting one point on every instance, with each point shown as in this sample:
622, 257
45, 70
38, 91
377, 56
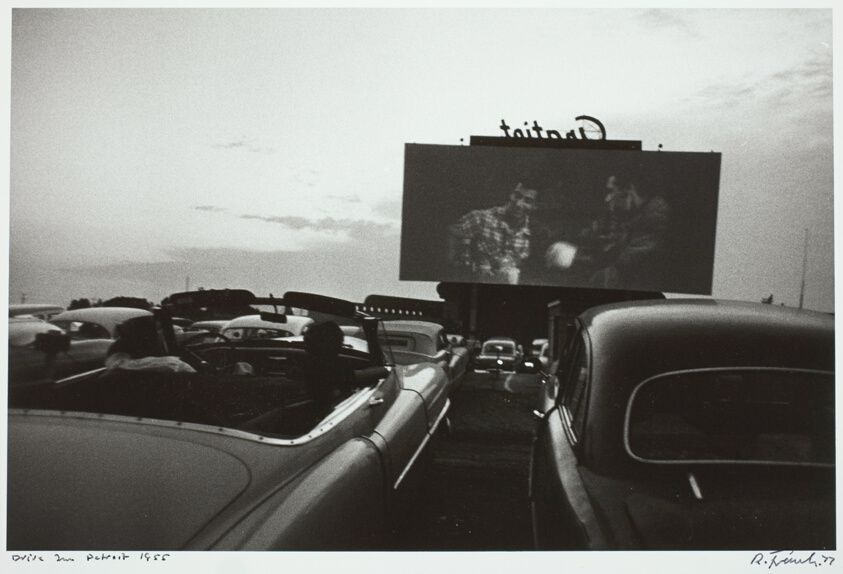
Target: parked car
30, 362
408, 342
498, 354
536, 347
254, 327
538, 363
456, 340
40, 310
95, 322
694, 424
215, 460
211, 326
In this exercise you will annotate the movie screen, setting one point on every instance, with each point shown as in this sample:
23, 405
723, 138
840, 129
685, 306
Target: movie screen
614, 219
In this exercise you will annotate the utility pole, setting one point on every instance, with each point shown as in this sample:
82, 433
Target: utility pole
187, 283
804, 268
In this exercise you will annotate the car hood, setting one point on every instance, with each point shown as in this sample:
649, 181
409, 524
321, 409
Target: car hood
753, 508
159, 490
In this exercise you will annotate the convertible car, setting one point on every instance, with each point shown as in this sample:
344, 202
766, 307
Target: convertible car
688, 424
408, 342
218, 459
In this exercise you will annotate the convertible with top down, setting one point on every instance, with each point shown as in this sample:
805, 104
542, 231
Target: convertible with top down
231, 451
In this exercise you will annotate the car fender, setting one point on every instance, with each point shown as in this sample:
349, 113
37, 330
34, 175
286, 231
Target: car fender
338, 503
432, 384
563, 515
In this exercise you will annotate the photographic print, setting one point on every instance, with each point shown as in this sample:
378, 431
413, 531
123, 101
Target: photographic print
426, 287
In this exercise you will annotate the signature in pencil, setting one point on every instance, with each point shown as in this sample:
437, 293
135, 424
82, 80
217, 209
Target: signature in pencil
778, 558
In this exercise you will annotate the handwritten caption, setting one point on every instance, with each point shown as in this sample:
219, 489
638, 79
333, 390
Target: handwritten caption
36, 557
778, 558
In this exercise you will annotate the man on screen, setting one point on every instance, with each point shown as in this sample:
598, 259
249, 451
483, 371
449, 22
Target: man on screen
490, 245
622, 248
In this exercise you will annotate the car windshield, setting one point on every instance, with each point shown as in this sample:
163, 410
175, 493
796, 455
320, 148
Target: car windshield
246, 333
495, 347
737, 415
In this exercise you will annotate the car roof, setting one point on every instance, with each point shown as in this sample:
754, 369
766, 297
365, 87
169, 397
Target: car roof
633, 341
664, 322
500, 340
427, 328
23, 329
108, 317
16, 309
210, 322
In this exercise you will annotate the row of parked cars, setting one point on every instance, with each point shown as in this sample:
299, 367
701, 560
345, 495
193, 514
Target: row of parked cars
233, 452
678, 424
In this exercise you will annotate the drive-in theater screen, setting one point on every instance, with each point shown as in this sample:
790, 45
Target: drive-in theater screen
566, 217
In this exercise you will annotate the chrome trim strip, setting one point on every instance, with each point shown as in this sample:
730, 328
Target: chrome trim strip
568, 424
695, 486
423, 444
628, 414
340, 412
77, 376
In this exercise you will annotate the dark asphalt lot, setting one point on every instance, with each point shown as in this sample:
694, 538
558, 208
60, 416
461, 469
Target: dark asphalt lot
472, 492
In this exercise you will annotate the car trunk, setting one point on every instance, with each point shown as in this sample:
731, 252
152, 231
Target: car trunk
718, 508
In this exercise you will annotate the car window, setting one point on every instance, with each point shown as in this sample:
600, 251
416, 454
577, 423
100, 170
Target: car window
574, 396
396, 341
84, 330
442, 341
498, 347
743, 415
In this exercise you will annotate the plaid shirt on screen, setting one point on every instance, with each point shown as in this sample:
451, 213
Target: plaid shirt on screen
490, 243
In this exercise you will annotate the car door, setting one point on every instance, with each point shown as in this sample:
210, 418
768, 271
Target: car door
341, 499
400, 419
563, 517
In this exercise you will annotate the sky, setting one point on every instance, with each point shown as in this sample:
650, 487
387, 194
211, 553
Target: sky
158, 149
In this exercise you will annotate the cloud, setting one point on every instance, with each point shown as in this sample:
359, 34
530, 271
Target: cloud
811, 79
210, 208
355, 228
345, 198
243, 144
390, 208
666, 20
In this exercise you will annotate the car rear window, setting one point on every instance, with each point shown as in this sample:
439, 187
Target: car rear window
498, 347
398, 342
738, 415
